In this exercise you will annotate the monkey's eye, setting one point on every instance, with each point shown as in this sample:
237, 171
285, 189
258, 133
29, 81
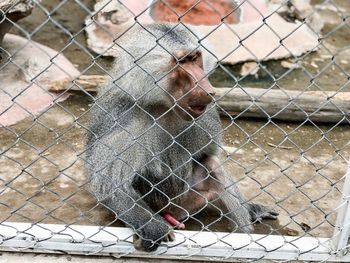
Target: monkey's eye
189, 58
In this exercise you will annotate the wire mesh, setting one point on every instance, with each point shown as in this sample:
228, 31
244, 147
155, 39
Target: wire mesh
281, 77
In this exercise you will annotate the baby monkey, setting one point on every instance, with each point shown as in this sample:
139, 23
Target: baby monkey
155, 138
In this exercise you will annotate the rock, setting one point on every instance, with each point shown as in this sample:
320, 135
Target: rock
289, 65
23, 87
13, 10
275, 39
229, 150
298, 10
249, 68
110, 20
112, 11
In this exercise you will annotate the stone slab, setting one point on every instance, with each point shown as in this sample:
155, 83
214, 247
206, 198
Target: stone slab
23, 78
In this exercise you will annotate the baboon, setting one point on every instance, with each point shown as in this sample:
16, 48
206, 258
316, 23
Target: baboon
154, 139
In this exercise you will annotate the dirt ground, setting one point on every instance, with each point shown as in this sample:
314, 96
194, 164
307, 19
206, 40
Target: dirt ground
298, 168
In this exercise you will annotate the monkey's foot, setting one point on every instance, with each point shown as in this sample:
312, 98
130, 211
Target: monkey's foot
258, 212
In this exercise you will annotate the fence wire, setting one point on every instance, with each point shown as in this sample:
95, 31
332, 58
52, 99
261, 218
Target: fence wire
77, 165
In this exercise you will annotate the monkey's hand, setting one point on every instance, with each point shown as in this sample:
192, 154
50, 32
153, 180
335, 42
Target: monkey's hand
170, 237
258, 212
149, 237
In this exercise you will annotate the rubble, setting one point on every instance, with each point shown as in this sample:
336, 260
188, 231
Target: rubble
298, 10
249, 40
289, 65
249, 68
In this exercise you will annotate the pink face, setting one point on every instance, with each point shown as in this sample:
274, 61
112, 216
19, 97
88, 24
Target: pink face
190, 86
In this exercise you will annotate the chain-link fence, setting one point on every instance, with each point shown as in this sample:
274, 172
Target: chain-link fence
90, 144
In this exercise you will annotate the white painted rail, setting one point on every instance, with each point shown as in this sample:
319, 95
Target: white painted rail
78, 239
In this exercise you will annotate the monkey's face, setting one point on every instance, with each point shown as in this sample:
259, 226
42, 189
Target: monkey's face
190, 87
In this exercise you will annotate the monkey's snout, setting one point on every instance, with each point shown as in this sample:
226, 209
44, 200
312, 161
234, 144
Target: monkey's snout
209, 91
212, 93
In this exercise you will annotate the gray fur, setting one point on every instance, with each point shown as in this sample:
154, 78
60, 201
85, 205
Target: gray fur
138, 160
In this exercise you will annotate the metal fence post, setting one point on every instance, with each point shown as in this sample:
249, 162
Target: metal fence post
342, 229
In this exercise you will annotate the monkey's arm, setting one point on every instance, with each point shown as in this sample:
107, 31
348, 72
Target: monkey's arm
113, 161
129, 207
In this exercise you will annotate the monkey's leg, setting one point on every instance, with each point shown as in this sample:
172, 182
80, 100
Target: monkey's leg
229, 198
191, 202
257, 212
200, 198
207, 186
150, 228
